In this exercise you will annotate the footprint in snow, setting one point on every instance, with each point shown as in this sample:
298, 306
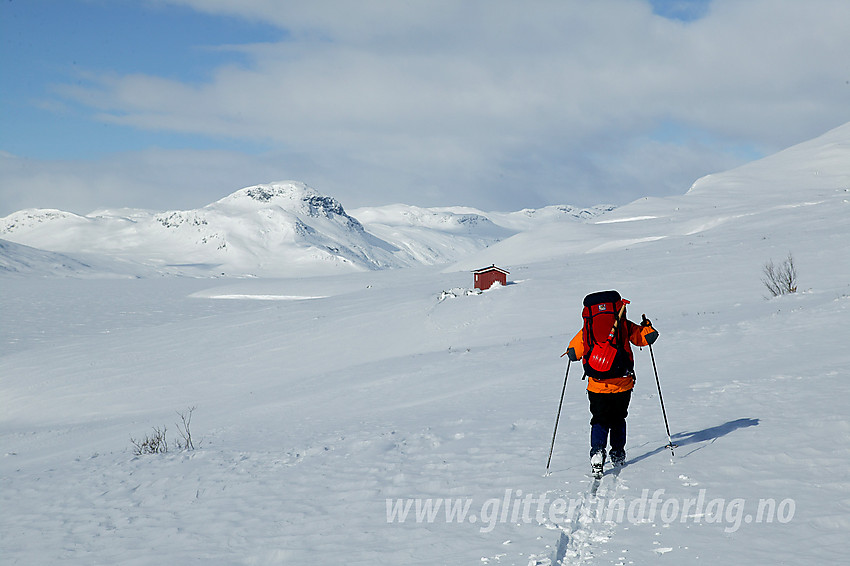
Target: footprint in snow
686, 481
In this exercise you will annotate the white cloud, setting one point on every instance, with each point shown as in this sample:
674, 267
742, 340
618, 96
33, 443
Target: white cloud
498, 103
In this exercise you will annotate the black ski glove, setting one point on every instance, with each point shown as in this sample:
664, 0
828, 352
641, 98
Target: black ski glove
652, 336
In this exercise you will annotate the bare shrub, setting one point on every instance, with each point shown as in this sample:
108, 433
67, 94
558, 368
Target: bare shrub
185, 441
780, 279
154, 443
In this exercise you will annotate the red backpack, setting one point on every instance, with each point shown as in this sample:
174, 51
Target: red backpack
607, 351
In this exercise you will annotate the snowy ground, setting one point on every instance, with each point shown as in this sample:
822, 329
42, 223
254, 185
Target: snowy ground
320, 400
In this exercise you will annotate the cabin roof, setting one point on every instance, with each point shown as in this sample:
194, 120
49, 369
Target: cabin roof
492, 268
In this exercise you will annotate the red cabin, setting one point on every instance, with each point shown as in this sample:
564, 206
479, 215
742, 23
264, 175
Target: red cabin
485, 278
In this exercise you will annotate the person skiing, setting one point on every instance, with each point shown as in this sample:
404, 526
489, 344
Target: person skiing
603, 345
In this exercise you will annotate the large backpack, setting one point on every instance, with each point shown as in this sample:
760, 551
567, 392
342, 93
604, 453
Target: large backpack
607, 353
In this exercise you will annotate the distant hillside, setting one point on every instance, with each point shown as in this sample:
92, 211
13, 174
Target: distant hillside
277, 229
24, 260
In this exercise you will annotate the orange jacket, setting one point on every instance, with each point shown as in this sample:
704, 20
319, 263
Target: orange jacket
637, 335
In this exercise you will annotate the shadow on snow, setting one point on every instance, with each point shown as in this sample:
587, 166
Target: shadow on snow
682, 439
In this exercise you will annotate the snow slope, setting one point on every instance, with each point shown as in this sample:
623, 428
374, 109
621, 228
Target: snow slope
18, 259
25, 261
436, 235
347, 391
274, 229
281, 229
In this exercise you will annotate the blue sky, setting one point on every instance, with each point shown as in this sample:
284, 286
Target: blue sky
496, 104
52, 43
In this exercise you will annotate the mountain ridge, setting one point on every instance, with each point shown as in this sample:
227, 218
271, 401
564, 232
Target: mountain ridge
288, 228
278, 229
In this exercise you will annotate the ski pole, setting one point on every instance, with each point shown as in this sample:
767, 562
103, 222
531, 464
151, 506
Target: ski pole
560, 404
670, 444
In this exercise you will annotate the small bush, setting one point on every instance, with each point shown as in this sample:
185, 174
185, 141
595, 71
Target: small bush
154, 443
185, 442
780, 279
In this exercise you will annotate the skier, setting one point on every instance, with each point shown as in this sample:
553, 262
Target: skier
603, 346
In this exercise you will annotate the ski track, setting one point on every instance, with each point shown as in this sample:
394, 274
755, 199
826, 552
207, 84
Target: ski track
588, 528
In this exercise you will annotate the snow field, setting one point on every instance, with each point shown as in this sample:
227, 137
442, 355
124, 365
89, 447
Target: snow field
312, 414
308, 429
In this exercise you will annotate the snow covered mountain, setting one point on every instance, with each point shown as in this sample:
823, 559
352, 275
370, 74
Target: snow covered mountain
278, 229
763, 204
270, 229
437, 235
369, 418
